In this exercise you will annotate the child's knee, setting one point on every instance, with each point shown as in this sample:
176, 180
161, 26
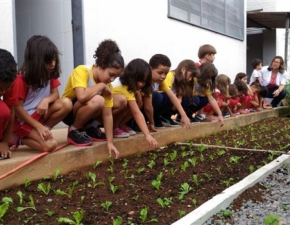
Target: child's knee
96, 103
49, 146
66, 104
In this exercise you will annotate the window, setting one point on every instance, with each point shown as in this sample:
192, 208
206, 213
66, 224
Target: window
221, 16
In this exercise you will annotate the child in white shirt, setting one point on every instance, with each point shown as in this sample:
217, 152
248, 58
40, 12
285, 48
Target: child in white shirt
256, 75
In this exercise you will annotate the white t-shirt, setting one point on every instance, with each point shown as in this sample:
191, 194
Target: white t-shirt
255, 74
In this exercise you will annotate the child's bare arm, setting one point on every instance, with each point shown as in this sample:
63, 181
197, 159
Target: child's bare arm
43, 131
140, 120
85, 94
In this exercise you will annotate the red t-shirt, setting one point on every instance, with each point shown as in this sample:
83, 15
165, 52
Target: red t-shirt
10, 97
23, 88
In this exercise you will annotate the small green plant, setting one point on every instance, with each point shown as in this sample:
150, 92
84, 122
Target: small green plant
136, 197
140, 170
173, 171
153, 156
111, 160
166, 162
96, 164
156, 183
56, 174
70, 190
201, 148
49, 213
181, 213
221, 152
195, 179
106, 205
5, 206
164, 202
272, 219
93, 178
30, 203
194, 202
218, 169
184, 189
113, 188
192, 161
20, 194
26, 182
184, 166
173, 155
125, 163
225, 213
144, 214
251, 168
78, 216
151, 164
44, 188
234, 159
118, 221
228, 181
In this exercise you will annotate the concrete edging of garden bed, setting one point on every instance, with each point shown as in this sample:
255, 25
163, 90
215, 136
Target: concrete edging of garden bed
225, 198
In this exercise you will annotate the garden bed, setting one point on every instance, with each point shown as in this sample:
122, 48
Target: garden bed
155, 186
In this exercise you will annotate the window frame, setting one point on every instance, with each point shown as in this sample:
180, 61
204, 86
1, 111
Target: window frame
227, 20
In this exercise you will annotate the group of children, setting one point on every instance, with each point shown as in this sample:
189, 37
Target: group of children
108, 99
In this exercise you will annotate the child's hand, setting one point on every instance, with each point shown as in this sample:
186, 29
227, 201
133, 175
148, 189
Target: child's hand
4, 150
185, 122
221, 119
42, 107
111, 148
108, 92
151, 127
44, 132
152, 142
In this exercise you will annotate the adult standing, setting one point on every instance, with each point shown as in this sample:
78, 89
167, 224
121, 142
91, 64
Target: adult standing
274, 78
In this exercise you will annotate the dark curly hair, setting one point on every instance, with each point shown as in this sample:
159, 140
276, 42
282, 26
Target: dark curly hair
39, 51
159, 59
181, 86
108, 54
8, 67
137, 70
207, 71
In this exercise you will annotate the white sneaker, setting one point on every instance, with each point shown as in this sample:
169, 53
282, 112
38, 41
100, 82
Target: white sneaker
128, 130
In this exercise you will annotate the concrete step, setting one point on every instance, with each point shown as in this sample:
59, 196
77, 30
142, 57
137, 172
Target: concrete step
71, 158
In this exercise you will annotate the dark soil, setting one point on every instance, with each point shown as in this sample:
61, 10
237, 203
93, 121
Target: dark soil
215, 170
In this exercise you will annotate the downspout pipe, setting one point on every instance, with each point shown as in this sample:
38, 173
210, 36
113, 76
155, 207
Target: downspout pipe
286, 39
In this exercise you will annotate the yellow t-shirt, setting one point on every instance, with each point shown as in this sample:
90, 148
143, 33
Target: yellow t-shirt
82, 76
122, 89
166, 84
197, 89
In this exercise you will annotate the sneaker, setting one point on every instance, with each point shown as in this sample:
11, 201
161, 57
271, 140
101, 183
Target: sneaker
158, 124
192, 120
96, 134
119, 133
133, 125
128, 130
201, 118
226, 115
168, 122
78, 138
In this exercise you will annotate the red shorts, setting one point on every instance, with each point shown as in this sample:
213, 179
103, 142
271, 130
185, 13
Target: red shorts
5, 115
22, 130
209, 108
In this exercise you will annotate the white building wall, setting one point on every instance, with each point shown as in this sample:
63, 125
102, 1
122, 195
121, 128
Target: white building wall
142, 29
7, 27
